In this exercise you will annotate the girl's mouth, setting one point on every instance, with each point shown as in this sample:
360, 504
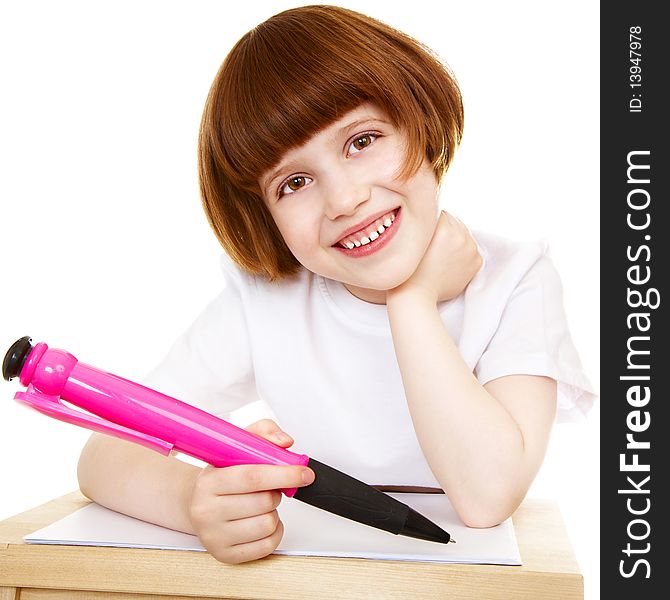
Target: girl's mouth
370, 238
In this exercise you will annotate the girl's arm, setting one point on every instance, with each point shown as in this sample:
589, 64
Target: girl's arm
484, 444
232, 509
136, 481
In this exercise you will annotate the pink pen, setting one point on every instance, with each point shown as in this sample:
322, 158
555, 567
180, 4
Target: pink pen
128, 410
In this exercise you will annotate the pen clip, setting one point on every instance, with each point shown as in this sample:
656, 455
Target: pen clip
52, 406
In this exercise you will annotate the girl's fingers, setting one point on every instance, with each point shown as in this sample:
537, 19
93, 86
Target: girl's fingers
244, 531
269, 430
245, 479
252, 550
245, 506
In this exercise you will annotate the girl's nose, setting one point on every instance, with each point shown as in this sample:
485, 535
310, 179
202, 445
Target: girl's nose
345, 197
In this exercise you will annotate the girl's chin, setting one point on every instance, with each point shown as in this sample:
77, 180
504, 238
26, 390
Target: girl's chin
374, 290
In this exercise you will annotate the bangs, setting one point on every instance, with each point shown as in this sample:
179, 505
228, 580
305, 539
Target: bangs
303, 69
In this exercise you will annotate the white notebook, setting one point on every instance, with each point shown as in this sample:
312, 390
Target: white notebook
308, 531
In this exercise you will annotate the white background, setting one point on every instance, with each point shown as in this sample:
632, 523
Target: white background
105, 249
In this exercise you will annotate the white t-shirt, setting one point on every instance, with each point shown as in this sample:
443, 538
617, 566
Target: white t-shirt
324, 362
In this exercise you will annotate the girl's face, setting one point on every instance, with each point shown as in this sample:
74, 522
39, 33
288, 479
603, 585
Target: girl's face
343, 212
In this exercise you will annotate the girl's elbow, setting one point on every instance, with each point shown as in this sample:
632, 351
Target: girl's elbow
89, 469
483, 519
84, 474
484, 514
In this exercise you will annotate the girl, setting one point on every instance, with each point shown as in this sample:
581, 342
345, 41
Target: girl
391, 342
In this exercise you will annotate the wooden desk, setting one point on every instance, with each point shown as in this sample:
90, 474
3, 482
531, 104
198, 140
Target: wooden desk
37, 572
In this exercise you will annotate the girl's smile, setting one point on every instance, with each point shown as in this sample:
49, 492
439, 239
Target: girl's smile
344, 212
371, 237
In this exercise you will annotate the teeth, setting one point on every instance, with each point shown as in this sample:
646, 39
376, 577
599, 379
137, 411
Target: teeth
377, 228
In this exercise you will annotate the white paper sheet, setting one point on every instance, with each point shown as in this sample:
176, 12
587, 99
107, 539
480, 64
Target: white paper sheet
308, 531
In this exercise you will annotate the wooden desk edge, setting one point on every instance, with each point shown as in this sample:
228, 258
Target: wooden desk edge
549, 571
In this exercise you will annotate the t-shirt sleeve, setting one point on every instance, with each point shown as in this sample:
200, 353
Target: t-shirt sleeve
210, 366
533, 338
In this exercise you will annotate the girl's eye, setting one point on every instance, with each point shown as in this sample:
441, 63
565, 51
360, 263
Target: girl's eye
294, 184
361, 142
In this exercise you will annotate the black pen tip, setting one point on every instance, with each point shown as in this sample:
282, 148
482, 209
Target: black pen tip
343, 495
420, 527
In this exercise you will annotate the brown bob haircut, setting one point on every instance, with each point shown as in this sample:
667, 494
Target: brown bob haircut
287, 79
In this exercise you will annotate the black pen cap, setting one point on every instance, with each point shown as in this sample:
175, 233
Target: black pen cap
15, 358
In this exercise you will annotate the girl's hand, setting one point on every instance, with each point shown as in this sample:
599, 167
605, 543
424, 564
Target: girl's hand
233, 509
449, 264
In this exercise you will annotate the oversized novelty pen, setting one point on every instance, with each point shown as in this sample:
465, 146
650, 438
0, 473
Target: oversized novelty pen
134, 412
